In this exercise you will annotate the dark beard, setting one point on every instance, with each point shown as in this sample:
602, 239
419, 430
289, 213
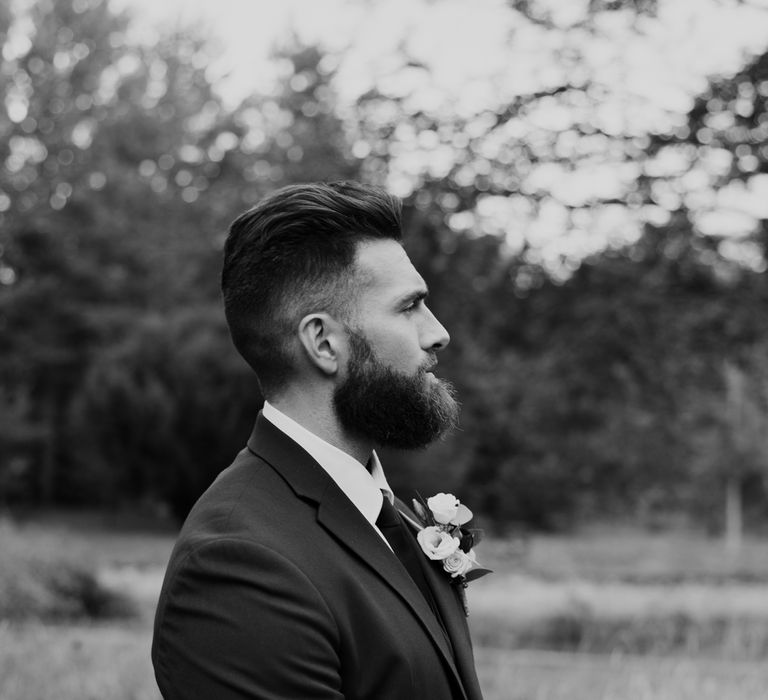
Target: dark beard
391, 408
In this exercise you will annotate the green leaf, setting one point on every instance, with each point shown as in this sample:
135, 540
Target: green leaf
477, 535
479, 572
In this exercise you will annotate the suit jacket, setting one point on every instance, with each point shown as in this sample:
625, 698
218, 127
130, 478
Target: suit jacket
279, 588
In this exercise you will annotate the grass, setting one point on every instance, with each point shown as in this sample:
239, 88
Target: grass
525, 675
623, 591
612, 553
674, 618
108, 662
517, 610
97, 540
76, 662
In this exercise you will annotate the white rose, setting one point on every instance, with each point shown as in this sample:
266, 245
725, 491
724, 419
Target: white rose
458, 563
447, 509
435, 543
443, 507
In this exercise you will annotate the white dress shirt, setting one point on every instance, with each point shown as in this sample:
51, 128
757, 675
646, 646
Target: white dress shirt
360, 486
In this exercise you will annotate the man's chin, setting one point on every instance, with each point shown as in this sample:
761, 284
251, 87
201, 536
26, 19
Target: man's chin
401, 422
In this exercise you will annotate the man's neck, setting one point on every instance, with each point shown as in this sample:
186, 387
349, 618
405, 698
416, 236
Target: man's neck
324, 424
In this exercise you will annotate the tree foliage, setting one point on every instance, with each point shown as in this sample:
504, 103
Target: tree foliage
595, 382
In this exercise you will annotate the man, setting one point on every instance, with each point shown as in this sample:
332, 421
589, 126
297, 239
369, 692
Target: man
292, 576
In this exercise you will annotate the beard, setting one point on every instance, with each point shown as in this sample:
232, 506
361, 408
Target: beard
391, 408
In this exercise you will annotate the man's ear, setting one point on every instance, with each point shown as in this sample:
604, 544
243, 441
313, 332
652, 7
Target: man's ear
322, 338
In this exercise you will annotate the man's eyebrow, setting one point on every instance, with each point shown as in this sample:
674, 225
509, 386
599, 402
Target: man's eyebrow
416, 295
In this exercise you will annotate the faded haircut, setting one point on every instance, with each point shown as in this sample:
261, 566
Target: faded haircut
291, 255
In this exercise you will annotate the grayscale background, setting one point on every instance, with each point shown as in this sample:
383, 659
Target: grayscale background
585, 188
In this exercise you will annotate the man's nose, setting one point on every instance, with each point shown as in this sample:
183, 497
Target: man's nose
435, 337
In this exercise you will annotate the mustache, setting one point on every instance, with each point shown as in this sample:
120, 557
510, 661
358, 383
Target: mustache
429, 364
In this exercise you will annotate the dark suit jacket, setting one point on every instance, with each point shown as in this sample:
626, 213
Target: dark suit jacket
279, 588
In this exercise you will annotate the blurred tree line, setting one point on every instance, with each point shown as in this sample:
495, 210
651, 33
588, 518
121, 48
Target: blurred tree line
630, 383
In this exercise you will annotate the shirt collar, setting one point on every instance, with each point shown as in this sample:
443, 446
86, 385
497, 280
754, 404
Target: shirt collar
362, 487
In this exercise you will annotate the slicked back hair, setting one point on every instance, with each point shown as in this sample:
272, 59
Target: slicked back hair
291, 255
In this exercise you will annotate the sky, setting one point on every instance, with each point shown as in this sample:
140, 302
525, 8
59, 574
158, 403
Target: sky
466, 43
479, 52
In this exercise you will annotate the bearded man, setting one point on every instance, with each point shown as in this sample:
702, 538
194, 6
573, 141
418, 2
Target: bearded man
294, 576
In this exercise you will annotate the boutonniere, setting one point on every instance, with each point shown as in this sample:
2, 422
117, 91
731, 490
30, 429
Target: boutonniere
444, 538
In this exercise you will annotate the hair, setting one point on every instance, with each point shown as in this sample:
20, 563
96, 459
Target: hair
291, 255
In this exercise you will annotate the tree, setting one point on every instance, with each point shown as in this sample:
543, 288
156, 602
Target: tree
121, 169
713, 169
107, 147
180, 403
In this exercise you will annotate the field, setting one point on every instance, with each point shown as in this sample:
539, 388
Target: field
599, 616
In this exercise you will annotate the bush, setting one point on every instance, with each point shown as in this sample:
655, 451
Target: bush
581, 629
162, 412
39, 582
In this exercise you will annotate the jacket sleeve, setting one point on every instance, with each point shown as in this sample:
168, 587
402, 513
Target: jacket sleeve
237, 620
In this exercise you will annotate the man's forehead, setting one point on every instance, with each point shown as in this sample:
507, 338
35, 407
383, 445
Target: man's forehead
384, 265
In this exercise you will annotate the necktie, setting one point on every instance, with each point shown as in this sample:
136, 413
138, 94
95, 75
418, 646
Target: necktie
405, 548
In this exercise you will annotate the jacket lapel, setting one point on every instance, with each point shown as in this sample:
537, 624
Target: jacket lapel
337, 514
452, 611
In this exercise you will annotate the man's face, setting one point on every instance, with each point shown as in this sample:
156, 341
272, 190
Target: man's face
388, 392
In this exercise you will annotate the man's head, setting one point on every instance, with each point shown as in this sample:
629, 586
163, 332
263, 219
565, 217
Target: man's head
293, 254
318, 291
